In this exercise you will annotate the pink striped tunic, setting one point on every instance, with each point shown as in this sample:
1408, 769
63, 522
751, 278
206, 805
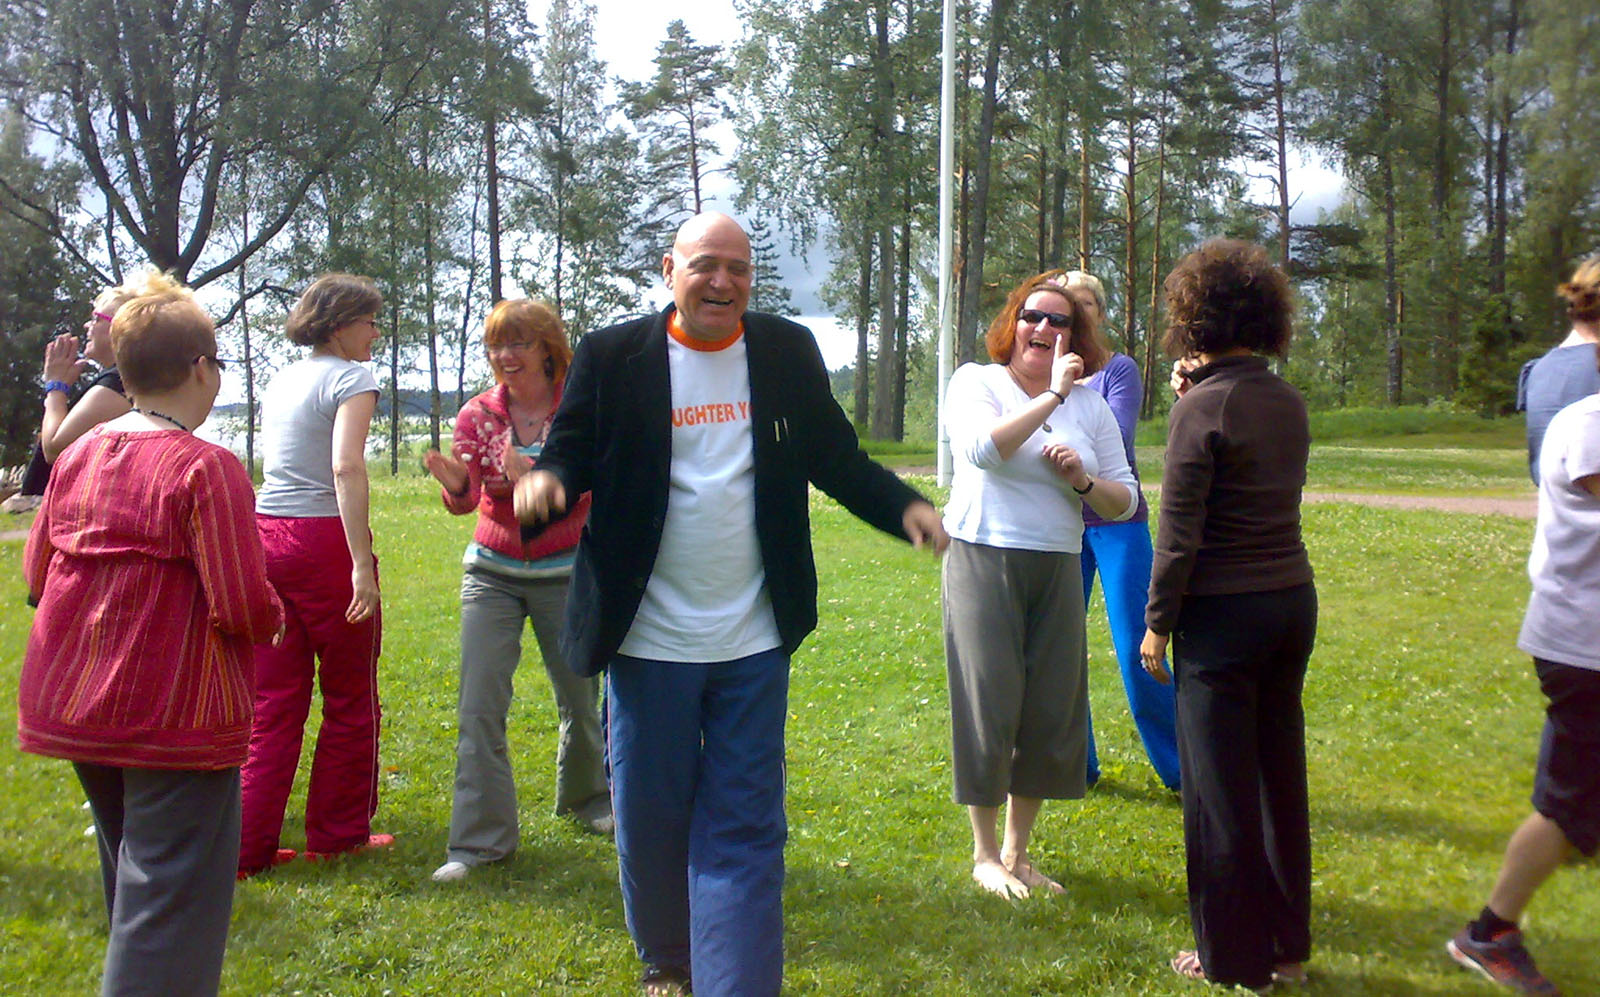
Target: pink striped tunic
151, 588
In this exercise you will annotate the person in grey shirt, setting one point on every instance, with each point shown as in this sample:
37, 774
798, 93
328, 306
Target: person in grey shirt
1567, 373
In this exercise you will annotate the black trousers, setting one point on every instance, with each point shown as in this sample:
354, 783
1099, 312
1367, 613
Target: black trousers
1240, 664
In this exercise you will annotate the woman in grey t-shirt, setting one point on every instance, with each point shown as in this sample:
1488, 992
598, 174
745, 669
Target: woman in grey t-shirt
312, 515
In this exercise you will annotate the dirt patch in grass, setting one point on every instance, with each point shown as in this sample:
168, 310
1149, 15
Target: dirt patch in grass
1521, 508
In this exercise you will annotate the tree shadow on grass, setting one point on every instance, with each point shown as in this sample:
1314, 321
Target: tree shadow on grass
905, 931
1420, 823
547, 920
1368, 947
1147, 791
36, 892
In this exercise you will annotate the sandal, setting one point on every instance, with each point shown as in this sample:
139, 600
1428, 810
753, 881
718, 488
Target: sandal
665, 981
1187, 965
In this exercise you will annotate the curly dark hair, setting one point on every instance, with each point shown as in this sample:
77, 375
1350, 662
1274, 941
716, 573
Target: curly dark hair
331, 303
1227, 294
1582, 292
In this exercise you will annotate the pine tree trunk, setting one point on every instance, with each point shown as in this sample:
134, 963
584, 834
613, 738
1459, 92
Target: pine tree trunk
1085, 201
1149, 372
972, 301
491, 161
902, 321
883, 143
1282, 136
863, 324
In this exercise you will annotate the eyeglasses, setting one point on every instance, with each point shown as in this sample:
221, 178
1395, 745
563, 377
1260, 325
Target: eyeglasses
521, 346
102, 317
219, 362
1033, 316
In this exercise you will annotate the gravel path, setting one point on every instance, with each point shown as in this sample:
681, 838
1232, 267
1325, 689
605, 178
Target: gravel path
1521, 508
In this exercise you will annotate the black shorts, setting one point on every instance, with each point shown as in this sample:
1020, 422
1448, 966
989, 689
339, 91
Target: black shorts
1566, 786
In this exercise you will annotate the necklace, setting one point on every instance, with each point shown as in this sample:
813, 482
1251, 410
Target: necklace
1018, 382
152, 413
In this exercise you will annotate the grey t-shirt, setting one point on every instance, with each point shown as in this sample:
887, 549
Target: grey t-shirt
1550, 384
1563, 619
297, 413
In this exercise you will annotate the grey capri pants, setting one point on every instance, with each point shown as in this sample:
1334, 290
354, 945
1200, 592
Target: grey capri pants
1018, 669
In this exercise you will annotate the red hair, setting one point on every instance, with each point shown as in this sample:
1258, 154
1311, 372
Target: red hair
1083, 336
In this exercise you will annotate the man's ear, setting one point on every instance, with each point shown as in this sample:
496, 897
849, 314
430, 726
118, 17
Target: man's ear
666, 269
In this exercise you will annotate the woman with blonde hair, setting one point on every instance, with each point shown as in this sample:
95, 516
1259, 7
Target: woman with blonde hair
152, 589
71, 408
1031, 450
312, 513
508, 582
1120, 553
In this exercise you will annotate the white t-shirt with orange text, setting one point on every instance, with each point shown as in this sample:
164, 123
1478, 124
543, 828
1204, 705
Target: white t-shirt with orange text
707, 599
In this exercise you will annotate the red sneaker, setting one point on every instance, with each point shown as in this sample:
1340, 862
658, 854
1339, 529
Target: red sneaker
1505, 960
279, 858
373, 843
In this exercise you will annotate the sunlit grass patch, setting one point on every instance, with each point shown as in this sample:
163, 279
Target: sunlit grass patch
1422, 729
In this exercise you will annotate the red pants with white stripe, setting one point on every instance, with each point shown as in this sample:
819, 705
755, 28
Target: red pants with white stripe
308, 563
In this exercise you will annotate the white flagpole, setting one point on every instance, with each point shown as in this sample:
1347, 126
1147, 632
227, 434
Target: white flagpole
947, 155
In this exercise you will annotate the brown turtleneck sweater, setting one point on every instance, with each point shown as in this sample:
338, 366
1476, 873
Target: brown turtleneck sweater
1237, 444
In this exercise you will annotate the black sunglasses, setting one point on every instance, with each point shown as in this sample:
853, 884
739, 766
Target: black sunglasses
1057, 320
222, 364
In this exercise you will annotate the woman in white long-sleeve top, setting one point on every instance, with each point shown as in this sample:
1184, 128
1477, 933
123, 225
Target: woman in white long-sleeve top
1030, 451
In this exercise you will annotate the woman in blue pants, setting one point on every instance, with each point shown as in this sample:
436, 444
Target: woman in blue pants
1121, 553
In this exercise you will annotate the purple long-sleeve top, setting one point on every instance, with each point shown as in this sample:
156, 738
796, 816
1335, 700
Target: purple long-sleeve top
1118, 382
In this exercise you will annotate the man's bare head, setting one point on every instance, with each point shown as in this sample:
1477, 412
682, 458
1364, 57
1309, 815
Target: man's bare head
709, 273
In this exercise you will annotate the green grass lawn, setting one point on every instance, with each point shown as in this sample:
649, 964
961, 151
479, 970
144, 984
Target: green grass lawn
1406, 451
1423, 719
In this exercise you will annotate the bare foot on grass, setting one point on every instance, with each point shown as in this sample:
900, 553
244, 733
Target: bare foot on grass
1022, 868
997, 879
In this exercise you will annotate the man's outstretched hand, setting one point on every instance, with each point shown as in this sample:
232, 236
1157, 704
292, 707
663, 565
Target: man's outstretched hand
538, 498
924, 527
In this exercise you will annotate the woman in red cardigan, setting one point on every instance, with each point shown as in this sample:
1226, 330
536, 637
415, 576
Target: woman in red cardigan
506, 582
152, 587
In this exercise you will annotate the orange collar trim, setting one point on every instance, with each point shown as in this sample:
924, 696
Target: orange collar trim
676, 331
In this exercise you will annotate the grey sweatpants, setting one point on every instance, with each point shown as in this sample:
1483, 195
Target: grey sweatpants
483, 815
1018, 669
169, 848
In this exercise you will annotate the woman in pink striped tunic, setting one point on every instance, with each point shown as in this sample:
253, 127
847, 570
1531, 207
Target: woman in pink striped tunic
151, 589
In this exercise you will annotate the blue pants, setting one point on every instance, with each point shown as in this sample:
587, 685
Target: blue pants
1122, 553
697, 789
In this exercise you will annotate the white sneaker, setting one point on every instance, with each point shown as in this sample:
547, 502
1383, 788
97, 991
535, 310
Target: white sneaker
451, 872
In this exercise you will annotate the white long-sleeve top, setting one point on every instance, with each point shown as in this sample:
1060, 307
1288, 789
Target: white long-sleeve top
1023, 503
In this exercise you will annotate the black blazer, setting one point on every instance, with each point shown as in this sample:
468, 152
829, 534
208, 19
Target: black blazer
611, 436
